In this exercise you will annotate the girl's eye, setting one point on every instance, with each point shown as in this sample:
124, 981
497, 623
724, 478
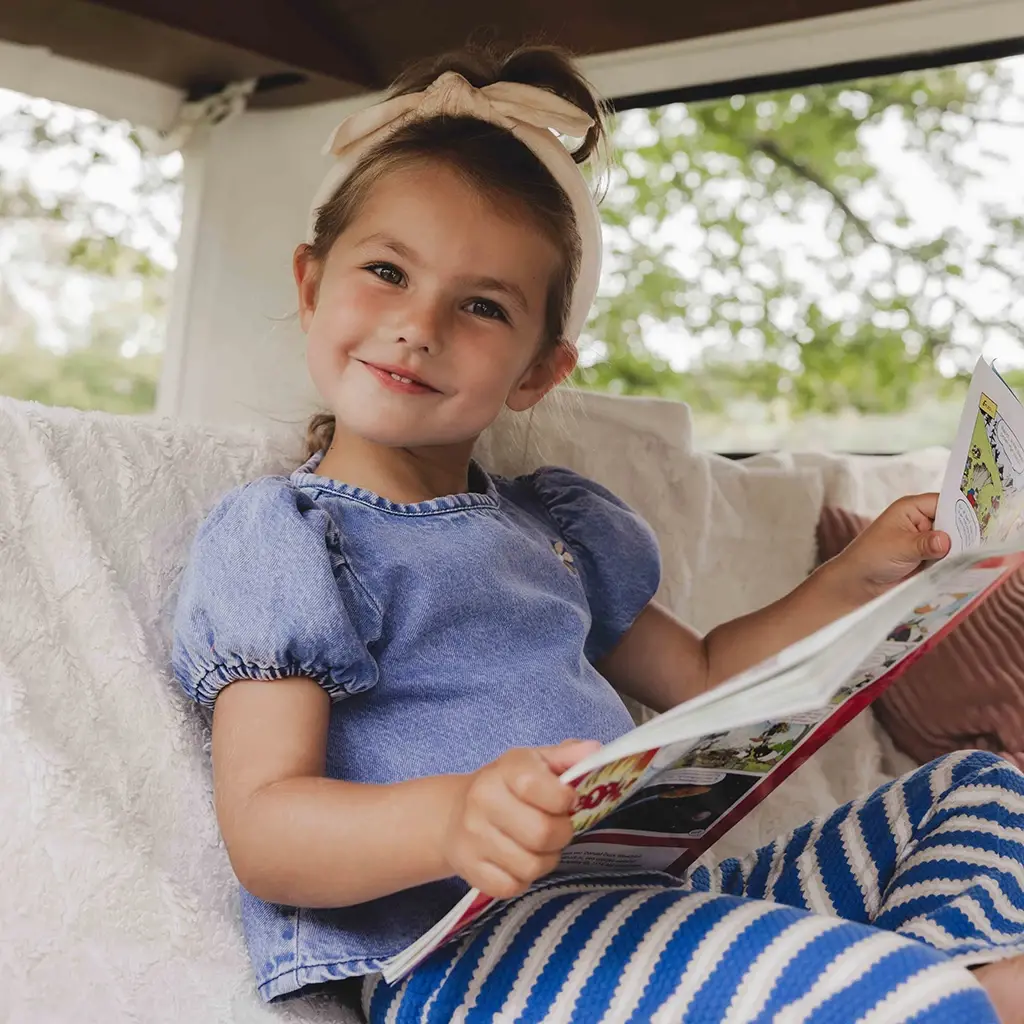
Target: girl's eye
487, 309
386, 272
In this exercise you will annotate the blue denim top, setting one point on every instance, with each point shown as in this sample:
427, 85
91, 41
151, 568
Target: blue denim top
445, 632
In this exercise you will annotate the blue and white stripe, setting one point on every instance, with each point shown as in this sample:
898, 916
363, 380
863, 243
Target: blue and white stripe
868, 915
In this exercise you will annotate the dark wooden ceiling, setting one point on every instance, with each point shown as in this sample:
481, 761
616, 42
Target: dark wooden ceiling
309, 50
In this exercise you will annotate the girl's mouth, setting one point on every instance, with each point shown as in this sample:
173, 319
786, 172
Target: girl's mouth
394, 379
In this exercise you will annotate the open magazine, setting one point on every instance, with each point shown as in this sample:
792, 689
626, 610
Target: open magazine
660, 796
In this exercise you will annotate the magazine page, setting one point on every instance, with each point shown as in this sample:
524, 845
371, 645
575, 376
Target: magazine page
662, 794
982, 495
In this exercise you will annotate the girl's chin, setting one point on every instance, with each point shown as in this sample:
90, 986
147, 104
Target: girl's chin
409, 421
392, 434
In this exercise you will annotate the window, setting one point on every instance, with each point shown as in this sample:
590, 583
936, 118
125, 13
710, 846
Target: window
88, 227
817, 267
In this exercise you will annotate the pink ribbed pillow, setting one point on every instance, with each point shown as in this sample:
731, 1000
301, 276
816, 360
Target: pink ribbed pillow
968, 691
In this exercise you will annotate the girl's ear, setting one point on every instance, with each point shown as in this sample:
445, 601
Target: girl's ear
543, 375
306, 271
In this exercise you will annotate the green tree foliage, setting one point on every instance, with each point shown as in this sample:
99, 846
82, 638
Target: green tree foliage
88, 224
868, 316
93, 376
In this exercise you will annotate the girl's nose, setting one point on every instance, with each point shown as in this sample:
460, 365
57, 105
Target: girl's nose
422, 342
422, 329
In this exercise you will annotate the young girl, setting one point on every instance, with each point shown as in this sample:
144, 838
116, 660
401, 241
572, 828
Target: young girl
399, 648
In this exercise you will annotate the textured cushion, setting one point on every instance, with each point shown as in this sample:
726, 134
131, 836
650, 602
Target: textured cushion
968, 691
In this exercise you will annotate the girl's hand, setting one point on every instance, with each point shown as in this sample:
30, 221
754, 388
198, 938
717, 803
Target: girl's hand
892, 548
511, 819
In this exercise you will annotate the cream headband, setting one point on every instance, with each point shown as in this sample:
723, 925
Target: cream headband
528, 112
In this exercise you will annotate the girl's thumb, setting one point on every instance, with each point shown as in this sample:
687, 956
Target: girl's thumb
933, 544
566, 754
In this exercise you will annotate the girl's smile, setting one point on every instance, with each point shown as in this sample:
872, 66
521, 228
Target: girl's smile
399, 379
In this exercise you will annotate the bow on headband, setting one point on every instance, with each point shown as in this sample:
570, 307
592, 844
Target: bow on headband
503, 103
530, 113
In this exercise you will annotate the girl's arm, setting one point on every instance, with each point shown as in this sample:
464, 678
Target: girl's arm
297, 838
661, 662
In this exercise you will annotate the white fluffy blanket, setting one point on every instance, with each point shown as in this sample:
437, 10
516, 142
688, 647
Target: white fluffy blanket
118, 902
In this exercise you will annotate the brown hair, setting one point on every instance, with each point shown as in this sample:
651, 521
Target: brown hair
491, 159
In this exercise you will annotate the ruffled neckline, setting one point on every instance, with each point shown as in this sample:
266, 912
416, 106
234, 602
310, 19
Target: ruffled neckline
485, 497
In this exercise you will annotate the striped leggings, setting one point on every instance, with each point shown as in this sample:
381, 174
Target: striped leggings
867, 915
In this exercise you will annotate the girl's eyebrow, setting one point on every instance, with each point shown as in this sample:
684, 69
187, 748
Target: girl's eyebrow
492, 284
389, 242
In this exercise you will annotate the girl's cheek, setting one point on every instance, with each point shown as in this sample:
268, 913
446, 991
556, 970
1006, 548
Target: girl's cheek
363, 303
341, 311
494, 376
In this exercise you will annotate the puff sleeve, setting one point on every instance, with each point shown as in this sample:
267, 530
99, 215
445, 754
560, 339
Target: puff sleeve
266, 594
615, 551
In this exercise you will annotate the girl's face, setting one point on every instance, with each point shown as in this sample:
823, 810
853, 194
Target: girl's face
433, 284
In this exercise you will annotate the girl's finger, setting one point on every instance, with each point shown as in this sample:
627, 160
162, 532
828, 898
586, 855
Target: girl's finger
922, 506
565, 755
515, 860
541, 789
529, 826
495, 881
